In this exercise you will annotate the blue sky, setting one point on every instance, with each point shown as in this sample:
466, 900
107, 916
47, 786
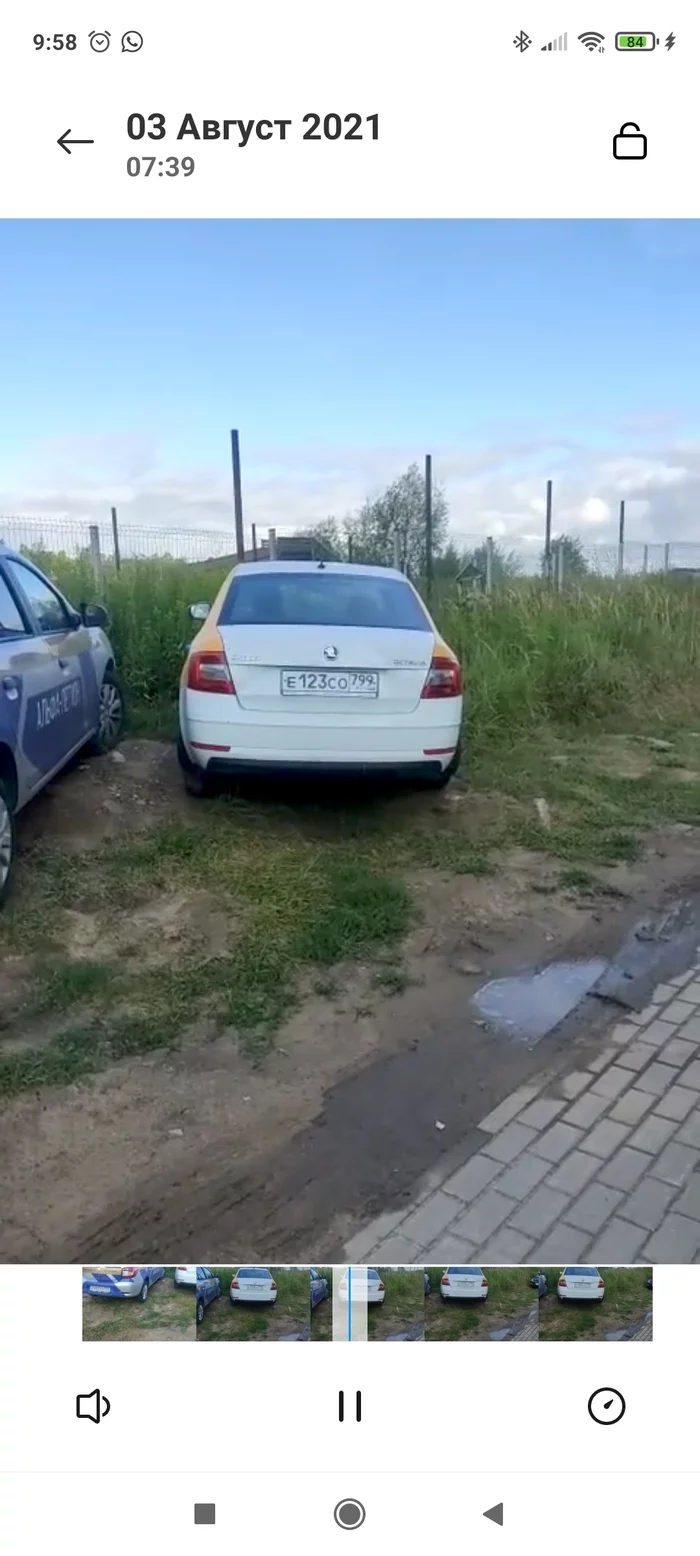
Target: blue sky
342, 350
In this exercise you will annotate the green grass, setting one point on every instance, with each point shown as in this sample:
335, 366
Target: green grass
289, 1314
510, 1296
402, 1305
626, 1298
167, 1313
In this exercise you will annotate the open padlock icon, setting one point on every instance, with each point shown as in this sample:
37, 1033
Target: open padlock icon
629, 142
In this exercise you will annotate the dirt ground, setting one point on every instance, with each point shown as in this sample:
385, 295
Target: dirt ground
198, 1149
167, 1314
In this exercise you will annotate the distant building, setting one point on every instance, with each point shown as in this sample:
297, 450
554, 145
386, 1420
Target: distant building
290, 548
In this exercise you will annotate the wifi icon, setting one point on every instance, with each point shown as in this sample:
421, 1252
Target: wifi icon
593, 41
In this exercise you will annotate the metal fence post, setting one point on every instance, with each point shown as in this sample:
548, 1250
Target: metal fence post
95, 554
489, 563
560, 565
254, 538
645, 559
115, 537
272, 544
667, 553
349, 548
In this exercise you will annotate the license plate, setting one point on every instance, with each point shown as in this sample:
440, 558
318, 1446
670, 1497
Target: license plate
98, 1291
330, 683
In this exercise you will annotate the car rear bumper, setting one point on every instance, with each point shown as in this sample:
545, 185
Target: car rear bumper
280, 766
245, 1296
580, 1296
410, 744
463, 1296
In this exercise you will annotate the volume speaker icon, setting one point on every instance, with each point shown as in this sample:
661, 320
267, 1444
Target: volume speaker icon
556, 43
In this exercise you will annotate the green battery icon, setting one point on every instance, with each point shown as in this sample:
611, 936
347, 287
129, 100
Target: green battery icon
635, 41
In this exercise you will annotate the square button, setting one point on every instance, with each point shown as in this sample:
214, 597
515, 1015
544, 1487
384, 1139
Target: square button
205, 1512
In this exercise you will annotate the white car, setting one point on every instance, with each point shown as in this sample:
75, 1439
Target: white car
321, 667
376, 1291
185, 1275
464, 1281
252, 1284
580, 1283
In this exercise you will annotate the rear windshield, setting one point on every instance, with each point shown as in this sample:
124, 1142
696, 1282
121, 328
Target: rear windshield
322, 599
463, 1269
580, 1269
254, 1274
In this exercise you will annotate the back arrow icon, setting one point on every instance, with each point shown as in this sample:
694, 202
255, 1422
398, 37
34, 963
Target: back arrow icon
66, 144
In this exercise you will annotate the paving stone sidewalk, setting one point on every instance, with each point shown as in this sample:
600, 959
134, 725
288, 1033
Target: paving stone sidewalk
600, 1165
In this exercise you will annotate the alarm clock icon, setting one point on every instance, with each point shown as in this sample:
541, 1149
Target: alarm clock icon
99, 41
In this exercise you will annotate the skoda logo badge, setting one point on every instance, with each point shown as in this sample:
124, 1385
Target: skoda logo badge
331, 652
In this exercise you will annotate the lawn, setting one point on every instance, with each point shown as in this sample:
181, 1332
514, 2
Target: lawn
224, 1320
402, 1308
225, 915
167, 1314
510, 1299
627, 1299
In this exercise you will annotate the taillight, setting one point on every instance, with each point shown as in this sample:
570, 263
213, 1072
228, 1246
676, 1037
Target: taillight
129, 1270
444, 678
601, 1282
273, 1285
484, 1281
445, 1280
208, 671
381, 1286
235, 1285
562, 1280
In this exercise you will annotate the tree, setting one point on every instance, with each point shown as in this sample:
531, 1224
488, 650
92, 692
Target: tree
400, 512
574, 561
328, 541
504, 564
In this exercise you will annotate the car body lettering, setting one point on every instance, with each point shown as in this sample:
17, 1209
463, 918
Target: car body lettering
60, 702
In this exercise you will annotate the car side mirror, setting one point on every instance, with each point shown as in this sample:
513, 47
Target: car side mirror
94, 616
200, 611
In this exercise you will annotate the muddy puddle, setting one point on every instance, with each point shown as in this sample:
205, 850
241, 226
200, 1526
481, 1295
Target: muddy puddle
528, 1005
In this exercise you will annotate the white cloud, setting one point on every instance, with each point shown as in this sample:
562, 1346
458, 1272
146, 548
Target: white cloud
498, 489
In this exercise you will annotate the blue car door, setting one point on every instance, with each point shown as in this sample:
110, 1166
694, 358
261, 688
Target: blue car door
58, 685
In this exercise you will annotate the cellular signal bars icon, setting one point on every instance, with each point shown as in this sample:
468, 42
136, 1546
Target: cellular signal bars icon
556, 43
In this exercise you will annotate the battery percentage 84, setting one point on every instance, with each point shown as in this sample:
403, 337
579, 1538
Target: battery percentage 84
637, 42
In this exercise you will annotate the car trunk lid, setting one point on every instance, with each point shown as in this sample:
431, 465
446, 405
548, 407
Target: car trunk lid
358, 672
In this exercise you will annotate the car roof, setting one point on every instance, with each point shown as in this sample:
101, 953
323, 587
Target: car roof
351, 569
9, 551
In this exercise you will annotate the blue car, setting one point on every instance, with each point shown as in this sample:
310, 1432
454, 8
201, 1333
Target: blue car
121, 1280
319, 1288
208, 1289
59, 689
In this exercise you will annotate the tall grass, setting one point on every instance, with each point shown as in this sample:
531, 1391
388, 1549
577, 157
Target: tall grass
606, 650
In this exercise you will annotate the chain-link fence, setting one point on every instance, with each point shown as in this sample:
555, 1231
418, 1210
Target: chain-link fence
485, 559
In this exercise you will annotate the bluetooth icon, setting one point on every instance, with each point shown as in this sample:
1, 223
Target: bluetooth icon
522, 42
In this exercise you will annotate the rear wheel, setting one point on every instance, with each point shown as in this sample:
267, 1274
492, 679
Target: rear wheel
200, 1310
195, 778
7, 838
441, 780
144, 1292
